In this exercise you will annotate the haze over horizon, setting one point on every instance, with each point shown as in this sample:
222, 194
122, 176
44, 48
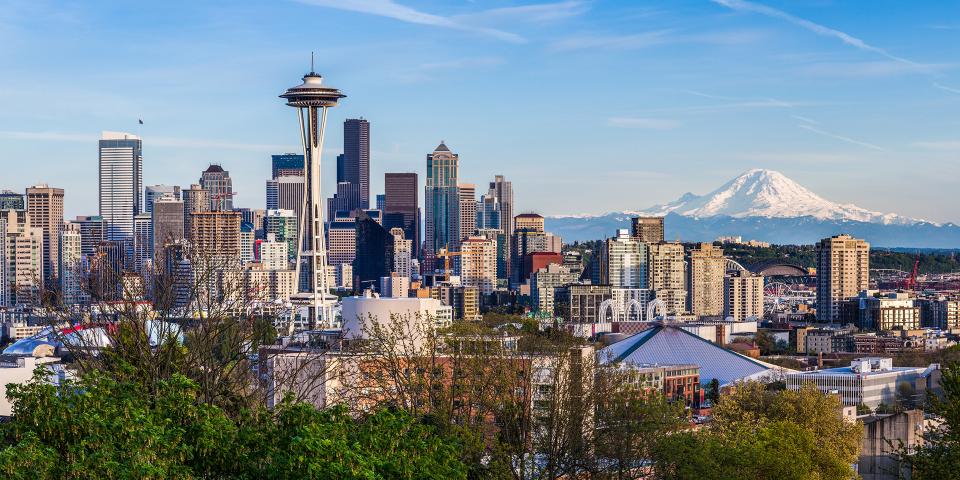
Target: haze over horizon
651, 101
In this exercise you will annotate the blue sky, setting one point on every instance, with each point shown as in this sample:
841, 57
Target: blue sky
587, 106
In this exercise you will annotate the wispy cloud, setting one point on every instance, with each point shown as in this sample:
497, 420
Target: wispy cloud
946, 88
469, 62
642, 123
805, 119
636, 41
745, 6
403, 13
871, 69
151, 141
939, 145
842, 138
536, 13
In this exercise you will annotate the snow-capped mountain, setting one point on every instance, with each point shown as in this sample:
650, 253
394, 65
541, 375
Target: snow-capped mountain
768, 193
765, 205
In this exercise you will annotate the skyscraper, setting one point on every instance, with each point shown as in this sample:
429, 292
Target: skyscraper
478, 263
23, 258
667, 270
401, 206
45, 207
168, 226
502, 190
121, 183
152, 192
624, 262
71, 264
647, 229
442, 199
216, 234
742, 295
356, 158
374, 258
468, 209
286, 164
707, 269
843, 271
196, 199
282, 224
217, 181
93, 231
402, 248
142, 242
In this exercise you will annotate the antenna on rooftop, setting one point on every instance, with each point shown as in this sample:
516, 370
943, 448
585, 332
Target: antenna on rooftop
311, 62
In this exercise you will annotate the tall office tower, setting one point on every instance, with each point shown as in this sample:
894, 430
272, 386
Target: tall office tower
273, 194
488, 212
254, 216
282, 224
312, 99
502, 190
468, 209
286, 164
10, 200
217, 181
216, 234
401, 206
121, 183
142, 242
24, 258
742, 295
71, 264
624, 261
442, 198
168, 226
4, 277
345, 200
647, 229
402, 253
289, 194
196, 199
381, 201
667, 270
478, 263
705, 279
45, 207
374, 258
530, 222
341, 241
93, 231
356, 157
152, 192
843, 269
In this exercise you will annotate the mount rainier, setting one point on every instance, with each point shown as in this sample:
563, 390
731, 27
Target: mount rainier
766, 205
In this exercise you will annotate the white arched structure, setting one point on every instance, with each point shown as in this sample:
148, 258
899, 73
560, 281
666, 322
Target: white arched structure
607, 307
634, 311
732, 265
654, 307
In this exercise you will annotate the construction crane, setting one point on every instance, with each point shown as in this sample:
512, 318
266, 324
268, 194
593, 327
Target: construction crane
446, 255
912, 280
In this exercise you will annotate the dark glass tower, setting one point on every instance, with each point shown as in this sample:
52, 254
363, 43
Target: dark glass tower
400, 207
356, 157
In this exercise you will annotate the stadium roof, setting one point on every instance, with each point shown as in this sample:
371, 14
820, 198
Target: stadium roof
667, 345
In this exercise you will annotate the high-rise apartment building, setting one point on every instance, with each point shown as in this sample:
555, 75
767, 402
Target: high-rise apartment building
10, 200
478, 263
341, 241
168, 226
45, 207
216, 234
274, 255
23, 258
530, 222
70, 256
402, 253
647, 229
468, 209
705, 278
121, 183
356, 158
152, 192
196, 199
624, 261
529, 237
217, 181
442, 200
668, 274
286, 164
843, 271
742, 295
283, 225
401, 206
544, 284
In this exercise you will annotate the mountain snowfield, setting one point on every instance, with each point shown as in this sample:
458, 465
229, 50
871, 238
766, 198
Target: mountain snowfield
765, 205
768, 193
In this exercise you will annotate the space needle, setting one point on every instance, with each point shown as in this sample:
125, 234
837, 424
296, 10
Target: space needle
312, 99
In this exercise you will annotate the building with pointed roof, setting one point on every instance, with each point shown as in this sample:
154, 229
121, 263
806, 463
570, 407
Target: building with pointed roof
665, 344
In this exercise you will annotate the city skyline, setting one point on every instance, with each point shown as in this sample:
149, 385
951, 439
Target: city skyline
706, 90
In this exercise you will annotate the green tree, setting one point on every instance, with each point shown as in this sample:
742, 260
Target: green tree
939, 457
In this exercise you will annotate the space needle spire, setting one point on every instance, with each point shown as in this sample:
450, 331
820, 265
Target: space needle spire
312, 99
